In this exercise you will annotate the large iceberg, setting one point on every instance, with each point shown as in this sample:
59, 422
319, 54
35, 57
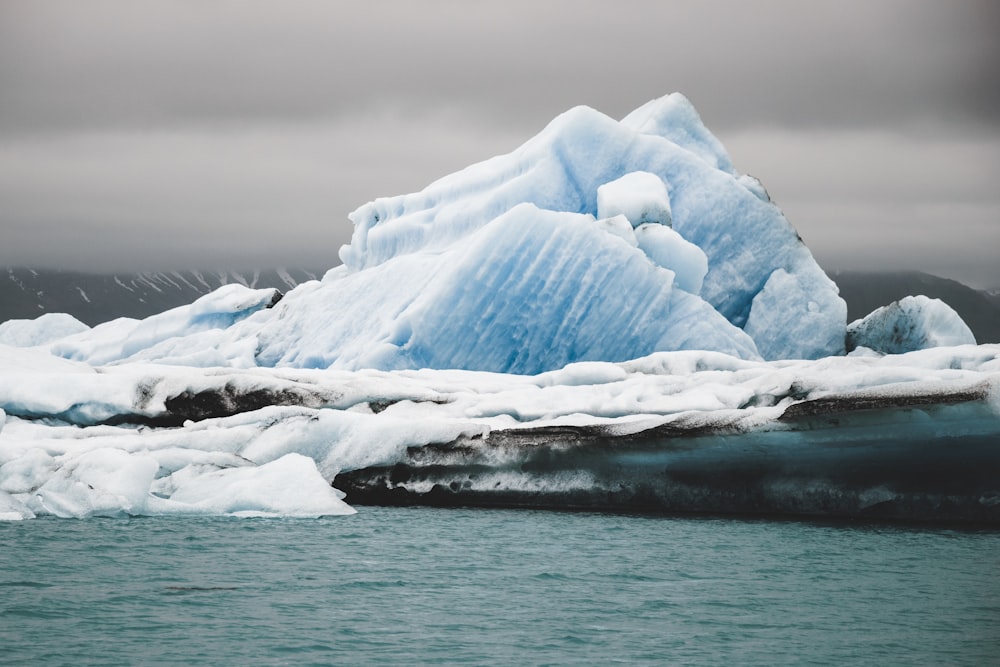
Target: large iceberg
717, 235
595, 240
608, 317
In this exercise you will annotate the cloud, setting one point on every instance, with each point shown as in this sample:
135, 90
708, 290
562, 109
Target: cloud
168, 133
267, 195
156, 63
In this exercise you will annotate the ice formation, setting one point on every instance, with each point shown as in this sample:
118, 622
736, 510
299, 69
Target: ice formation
906, 436
912, 323
609, 316
595, 240
659, 167
41, 330
157, 336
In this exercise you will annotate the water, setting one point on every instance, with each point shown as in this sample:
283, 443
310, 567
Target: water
454, 586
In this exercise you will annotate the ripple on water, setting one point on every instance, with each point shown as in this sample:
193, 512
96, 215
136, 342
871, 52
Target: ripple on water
424, 585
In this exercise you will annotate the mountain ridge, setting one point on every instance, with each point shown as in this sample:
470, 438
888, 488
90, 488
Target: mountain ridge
92, 298
864, 291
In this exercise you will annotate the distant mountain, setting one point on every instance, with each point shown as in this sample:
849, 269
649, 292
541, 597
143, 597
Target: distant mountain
95, 298
865, 291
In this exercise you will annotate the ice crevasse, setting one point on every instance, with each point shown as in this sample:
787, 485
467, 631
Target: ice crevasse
596, 240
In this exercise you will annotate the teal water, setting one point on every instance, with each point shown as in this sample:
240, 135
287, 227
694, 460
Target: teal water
452, 586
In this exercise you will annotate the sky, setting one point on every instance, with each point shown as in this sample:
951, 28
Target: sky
239, 134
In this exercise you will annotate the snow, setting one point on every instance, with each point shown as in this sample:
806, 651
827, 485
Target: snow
912, 323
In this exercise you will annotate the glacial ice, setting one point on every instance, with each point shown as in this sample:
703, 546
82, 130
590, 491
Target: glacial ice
594, 240
912, 323
608, 316
137, 439
581, 154
43, 329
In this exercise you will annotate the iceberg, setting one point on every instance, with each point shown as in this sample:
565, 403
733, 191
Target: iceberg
596, 240
609, 317
912, 323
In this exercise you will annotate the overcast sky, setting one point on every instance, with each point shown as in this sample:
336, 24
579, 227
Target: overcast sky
152, 135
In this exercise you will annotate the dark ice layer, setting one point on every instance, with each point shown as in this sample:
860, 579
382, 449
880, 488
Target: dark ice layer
931, 460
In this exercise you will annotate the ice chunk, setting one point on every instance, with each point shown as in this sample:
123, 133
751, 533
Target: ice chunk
535, 290
912, 323
668, 249
43, 329
100, 482
745, 238
619, 226
12, 509
289, 486
123, 338
286, 434
804, 335
639, 195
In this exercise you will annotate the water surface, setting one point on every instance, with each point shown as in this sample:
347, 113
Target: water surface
456, 586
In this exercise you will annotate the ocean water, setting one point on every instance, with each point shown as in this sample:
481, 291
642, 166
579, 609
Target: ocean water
405, 586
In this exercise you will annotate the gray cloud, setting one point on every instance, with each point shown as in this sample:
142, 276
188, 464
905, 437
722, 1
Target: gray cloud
155, 63
161, 134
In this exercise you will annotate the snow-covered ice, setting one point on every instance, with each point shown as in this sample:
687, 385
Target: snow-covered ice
157, 439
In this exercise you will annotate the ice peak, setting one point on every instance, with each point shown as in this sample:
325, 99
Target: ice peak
673, 117
596, 240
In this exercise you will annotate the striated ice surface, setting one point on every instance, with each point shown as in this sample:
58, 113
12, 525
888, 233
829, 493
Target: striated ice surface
581, 154
594, 240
